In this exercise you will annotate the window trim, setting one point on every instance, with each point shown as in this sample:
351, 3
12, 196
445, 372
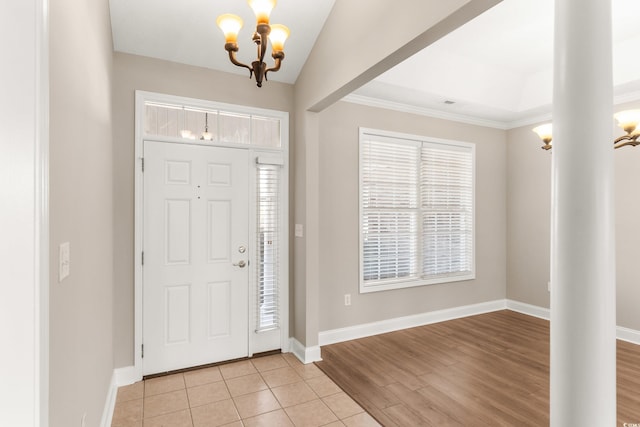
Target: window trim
413, 281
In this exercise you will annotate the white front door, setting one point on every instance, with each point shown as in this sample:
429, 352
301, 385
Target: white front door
196, 254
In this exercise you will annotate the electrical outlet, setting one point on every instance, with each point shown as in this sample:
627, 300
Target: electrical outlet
347, 299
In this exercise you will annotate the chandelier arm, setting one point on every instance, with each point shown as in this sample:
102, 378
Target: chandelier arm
622, 138
621, 144
234, 61
278, 57
626, 140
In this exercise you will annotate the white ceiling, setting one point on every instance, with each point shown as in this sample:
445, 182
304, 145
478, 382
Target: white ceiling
185, 31
497, 69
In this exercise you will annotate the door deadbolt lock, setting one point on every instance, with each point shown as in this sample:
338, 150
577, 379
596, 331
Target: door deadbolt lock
242, 249
240, 264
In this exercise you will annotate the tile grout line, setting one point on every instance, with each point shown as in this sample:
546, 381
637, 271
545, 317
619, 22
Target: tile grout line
186, 390
304, 376
231, 396
271, 390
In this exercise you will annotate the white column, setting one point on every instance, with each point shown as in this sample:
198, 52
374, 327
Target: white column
24, 142
583, 314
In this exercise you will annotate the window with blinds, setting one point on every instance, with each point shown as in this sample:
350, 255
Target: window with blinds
268, 246
416, 211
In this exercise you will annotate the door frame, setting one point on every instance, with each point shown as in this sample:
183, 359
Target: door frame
141, 97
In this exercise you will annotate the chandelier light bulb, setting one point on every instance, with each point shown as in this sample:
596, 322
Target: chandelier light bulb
544, 132
278, 35
629, 120
262, 9
230, 25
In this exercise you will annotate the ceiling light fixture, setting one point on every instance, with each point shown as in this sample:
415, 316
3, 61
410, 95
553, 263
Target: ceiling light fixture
206, 135
277, 34
629, 120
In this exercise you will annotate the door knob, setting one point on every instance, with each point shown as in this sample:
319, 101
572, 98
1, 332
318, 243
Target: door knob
240, 264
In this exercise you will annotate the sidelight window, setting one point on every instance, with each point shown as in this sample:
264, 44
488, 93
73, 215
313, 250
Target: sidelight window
268, 246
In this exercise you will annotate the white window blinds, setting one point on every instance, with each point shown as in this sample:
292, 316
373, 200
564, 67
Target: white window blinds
268, 247
416, 212
389, 209
446, 190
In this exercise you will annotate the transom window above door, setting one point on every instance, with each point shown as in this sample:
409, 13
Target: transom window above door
209, 125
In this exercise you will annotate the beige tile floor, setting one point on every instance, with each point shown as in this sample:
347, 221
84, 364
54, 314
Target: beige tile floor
271, 391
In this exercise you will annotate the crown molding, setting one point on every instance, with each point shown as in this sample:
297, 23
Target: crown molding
626, 97
429, 112
461, 118
529, 121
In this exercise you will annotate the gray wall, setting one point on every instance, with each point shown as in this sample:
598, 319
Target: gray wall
528, 217
133, 73
81, 210
330, 74
528, 214
339, 218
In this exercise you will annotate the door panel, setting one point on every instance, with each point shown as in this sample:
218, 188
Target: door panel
195, 289
177, 231
218, 217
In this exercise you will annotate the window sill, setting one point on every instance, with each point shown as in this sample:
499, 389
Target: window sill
388, 285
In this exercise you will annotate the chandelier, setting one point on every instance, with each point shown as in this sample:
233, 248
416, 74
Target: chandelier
231, 24
628, 120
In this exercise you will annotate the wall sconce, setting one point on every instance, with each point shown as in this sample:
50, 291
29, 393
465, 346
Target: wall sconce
628, 120
544, 132
277, 34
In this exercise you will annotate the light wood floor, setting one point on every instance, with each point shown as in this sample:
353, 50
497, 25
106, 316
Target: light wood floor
485, 370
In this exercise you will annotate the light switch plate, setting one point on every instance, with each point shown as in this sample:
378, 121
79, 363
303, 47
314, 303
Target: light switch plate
299, 230
347, 299
64, 261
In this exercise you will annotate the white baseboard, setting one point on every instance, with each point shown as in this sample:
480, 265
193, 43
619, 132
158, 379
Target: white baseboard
629, 335
368, 329
126, 376
120, 377
110, 404
305, 354
622, 333
531, 310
